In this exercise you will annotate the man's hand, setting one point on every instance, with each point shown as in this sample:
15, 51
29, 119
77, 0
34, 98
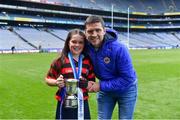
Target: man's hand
60, 82
90, 84
95, 87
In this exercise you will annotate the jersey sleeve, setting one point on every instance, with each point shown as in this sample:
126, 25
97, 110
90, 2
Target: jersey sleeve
54, 70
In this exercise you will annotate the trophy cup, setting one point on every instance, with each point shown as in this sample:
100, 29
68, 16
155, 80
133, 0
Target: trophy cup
71, 90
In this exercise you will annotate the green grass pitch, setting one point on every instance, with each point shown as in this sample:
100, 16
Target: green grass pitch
24, 94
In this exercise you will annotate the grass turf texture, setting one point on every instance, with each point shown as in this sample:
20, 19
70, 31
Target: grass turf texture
24, 95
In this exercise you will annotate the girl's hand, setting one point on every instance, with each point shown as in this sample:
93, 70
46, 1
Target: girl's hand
60, 82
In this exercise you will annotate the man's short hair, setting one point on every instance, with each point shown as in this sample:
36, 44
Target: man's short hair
94, 19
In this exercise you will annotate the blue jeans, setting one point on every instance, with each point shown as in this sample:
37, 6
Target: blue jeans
126, 103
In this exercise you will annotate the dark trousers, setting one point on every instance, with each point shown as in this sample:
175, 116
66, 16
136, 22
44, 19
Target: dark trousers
71, 113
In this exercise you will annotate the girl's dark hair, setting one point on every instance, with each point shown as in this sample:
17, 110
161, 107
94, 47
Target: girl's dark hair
66, 49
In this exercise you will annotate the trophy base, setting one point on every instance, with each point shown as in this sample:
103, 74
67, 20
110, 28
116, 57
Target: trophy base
71, 102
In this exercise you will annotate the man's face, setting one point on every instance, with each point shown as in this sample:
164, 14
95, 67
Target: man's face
95, 33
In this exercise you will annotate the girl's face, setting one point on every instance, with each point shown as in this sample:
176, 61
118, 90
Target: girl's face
76, 44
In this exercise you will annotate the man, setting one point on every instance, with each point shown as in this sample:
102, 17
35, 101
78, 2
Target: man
12, 49
113, 67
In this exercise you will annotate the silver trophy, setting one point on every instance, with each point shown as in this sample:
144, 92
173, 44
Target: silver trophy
71, 90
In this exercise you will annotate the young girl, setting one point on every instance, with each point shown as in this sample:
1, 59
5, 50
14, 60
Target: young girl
72, 61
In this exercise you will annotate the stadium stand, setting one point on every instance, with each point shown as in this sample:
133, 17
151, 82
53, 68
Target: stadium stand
40, 37
154, 7
9, 38
32, 25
